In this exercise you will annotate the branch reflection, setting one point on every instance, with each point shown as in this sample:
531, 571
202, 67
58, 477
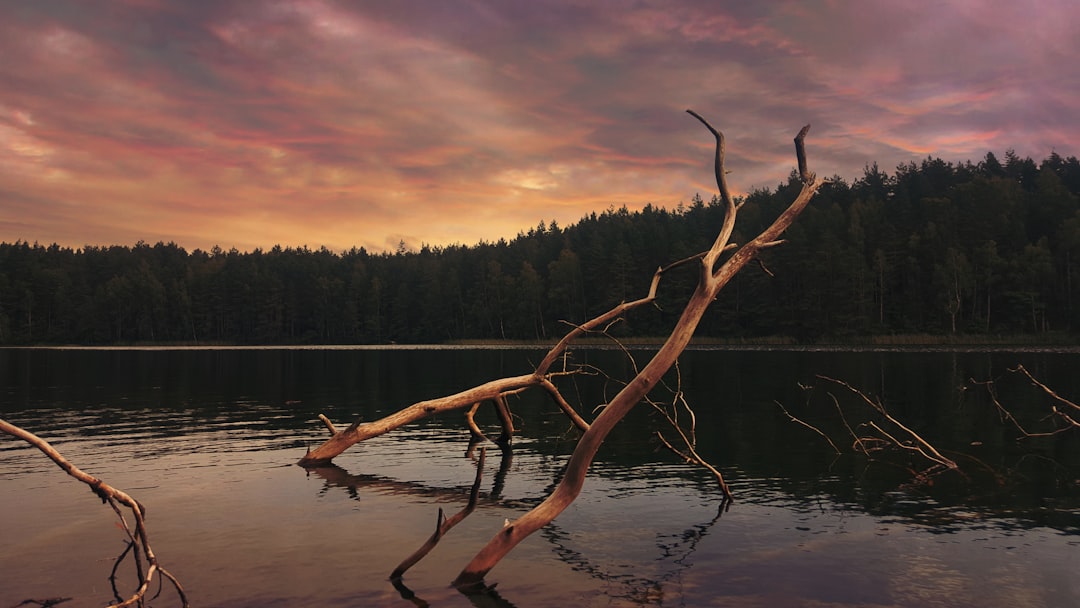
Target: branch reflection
674, 549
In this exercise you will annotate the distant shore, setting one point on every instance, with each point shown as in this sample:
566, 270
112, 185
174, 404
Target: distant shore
904, 341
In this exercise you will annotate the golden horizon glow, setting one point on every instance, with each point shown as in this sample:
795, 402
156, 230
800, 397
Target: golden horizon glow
311, 123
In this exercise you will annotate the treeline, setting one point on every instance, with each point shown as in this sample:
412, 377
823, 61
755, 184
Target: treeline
936, 247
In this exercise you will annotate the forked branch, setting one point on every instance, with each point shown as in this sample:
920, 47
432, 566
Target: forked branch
891, 433
341, 440
443, 525
1062, 410
917, 443
709, 284
113, 497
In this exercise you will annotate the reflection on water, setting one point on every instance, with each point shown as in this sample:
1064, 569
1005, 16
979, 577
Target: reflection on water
206, 439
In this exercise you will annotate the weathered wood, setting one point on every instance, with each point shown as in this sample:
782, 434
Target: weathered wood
111, 496
507, 421
712, 279
443, 525
714, 275
343, 440
470, 418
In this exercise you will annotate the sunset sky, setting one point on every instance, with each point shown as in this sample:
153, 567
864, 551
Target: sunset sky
311, 122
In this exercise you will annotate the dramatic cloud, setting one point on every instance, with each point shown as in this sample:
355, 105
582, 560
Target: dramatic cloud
341, 124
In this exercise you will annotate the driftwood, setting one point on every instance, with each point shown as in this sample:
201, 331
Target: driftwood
495, 391
138, 539
1064, 413
444, 524
881, 437
887, 434
712, 279
670, 411
713, 274
898, 434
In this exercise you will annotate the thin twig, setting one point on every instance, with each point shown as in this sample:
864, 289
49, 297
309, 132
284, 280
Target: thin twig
877, 405
858, 440
807, 425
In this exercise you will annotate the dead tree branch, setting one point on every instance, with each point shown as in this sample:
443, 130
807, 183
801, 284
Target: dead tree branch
1058, 399
113, 497
357, 432
474, 429
688, 436
810, 426
343, 440
889, 434
329, 425
507, 421
552, 390
920, 445
711, 280
1061, 409
443, 525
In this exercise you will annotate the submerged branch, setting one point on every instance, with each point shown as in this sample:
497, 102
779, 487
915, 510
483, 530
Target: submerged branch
809, 426
928, 450
442, 526
709, 285
111, 496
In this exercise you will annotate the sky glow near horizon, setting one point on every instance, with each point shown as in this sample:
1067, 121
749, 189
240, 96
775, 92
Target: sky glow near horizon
342, 124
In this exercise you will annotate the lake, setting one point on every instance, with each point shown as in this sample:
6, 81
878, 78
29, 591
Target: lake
207, 440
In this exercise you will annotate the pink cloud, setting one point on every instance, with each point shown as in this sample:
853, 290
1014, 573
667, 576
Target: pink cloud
312, 122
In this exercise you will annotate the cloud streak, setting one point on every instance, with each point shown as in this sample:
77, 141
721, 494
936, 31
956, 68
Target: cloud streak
354, 124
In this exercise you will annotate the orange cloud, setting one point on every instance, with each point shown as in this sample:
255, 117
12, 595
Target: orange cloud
312, 122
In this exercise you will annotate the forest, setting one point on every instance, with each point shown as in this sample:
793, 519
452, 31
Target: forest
936, 248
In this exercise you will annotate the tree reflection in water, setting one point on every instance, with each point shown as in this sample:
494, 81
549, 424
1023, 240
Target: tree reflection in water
639, 589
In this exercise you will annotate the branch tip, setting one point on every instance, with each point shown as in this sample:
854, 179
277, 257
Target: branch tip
800, 153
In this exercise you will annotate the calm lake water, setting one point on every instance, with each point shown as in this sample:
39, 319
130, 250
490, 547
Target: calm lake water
207, 440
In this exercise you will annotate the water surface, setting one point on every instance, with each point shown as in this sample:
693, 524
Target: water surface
207, 438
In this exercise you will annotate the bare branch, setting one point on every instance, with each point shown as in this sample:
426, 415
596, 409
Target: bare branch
807, 425
800, 153
933, 454
553, 390
935, 457
858, 440
730, 210
1056, 413
691, 456
507, 421
1046, 389
108, 495
442, 526
1006, 415
718, 163
356, 433
329, 425
709, 285
471, 421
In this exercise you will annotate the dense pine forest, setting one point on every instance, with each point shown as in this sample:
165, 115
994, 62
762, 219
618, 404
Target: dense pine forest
984, 249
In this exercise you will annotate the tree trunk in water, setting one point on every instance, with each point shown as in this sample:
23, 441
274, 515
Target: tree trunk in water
709, 284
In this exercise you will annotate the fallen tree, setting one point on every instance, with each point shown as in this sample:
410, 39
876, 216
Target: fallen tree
714, 272
713, 276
